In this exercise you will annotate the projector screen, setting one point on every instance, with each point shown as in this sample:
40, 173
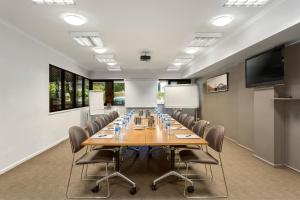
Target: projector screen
140, 93
181, 96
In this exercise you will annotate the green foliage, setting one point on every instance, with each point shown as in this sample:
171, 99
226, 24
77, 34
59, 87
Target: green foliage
119, 87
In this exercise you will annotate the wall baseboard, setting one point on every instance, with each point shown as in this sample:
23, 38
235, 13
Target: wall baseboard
292, 168
236, 142
268, 162
10, 167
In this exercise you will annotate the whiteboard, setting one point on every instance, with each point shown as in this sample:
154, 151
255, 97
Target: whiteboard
181, 96
96, 103
140, 93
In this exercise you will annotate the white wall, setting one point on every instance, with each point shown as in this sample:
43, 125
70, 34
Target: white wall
26, 127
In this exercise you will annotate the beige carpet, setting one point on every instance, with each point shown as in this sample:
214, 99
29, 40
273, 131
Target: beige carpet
45, 177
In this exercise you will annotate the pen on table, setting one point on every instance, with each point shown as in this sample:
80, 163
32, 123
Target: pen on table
188, 135
101, 135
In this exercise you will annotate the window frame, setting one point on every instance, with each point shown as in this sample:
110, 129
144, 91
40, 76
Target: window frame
109, 92
62, 91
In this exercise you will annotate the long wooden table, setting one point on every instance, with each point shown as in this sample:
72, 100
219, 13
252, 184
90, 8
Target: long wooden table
156, 136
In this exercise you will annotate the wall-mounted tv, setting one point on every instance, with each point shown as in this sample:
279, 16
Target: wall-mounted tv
217, 84
265, 69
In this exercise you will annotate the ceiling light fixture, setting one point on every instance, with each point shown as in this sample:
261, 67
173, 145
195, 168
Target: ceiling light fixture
99, 50
222, 20
192, 50
205, 39
113, 68
247, 3
183, 60
173, 68
87, 39
54, 2
105, 58
74, 19
112, 63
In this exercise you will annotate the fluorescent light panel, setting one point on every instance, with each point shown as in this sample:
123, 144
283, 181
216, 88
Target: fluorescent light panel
54, 2
205, 39
105, 58
113, 68
173, 68
247, 3
183, 60
87, 39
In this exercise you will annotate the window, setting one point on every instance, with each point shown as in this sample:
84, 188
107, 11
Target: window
161, 91
66, 90
69, 90
113, 90
79, 91
86, 91
55, 89
119, 93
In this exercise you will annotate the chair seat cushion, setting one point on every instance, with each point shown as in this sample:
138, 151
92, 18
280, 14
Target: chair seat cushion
197, 156
96, 156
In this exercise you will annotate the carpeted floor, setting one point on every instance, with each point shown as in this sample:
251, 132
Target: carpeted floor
45, 177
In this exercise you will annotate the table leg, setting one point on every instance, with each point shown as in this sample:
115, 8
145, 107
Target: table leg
117, 159
172, 158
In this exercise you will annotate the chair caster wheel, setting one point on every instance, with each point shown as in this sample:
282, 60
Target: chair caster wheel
132, 191
190, 189
153, 187
95, 189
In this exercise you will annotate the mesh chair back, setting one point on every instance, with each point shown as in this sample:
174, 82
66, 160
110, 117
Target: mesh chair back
116, 114
214, 137
177, 115
189, 122
101, 122
92, 128
182, 117
111, 116
199, 127
77, 135
106, 119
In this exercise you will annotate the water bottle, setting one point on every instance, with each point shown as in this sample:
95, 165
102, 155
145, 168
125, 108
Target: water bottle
168, 127
117, 131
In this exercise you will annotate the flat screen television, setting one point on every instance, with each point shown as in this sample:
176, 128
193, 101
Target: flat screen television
265, 69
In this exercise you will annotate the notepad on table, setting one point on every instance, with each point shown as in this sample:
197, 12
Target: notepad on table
178, 128
107, 129
139, 128
187, 136
103, 136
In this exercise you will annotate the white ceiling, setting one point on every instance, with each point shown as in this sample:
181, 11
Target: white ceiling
126, 27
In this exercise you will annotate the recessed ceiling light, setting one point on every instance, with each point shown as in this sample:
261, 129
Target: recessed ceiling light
183, 60
112, 63
105, 58
173, 68
247, 3
113, 68
54, 2
222, 20
192, 50
87, 39
205, 39
74, 19
99, 50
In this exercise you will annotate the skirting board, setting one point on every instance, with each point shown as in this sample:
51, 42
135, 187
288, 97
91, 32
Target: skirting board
10, 167
236, 142
292, 168
268, 162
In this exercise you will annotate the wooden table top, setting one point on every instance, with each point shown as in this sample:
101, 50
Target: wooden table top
145, 137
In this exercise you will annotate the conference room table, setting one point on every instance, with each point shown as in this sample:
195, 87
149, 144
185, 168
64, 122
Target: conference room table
135, 136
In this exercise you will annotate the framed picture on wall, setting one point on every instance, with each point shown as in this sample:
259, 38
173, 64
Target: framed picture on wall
217, 83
